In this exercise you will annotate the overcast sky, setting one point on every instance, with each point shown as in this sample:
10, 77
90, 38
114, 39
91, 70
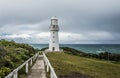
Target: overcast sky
80, 21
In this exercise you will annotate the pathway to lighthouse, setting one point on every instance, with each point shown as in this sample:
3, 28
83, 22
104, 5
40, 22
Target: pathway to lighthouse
38, 69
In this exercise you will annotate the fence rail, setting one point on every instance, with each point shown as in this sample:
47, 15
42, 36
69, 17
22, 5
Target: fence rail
14, 73
49, 67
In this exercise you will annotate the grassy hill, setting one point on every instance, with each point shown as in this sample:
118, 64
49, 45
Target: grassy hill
71, 66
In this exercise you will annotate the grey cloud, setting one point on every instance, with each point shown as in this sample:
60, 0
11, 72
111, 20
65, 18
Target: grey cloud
76, 16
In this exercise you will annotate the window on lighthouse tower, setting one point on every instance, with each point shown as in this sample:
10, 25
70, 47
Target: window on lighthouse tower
53, 26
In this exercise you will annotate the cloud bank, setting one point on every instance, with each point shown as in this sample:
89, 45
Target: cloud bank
80, 21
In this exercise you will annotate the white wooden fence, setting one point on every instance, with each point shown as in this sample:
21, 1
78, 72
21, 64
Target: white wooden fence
14, 73
49, 67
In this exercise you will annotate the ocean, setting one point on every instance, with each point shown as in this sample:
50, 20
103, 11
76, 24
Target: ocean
88, 48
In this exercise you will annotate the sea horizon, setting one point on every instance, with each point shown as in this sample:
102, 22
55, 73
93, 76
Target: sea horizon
88, 48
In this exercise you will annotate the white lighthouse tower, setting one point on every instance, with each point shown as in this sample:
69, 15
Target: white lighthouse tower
54, 40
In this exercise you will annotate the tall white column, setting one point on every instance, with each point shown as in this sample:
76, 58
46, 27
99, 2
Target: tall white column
54, 39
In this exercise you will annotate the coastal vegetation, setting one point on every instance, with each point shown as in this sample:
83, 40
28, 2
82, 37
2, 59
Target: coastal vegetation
12, 55
103, 55
68, 64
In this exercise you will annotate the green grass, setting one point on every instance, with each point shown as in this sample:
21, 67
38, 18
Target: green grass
65, 64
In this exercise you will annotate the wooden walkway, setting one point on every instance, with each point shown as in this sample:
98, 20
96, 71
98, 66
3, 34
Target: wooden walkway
38, 69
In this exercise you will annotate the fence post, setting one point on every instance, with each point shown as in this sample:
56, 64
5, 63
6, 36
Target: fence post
45, 60
51, 74
15, 74
47, 67
27, 67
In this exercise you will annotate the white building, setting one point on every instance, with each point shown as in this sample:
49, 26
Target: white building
54, 40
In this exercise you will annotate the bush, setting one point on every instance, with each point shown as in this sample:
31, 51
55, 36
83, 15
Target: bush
13, 54
4, 71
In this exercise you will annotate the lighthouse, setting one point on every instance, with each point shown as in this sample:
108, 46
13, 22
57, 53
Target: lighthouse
54, 40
